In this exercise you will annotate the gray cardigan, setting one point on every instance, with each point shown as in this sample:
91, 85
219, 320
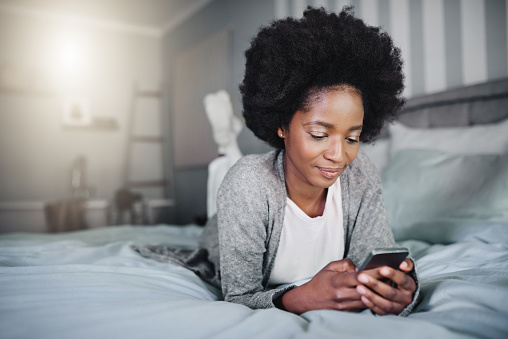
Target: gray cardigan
238, 245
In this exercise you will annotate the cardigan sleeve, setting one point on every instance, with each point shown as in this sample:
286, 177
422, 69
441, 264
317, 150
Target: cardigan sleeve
242, 224
368, 224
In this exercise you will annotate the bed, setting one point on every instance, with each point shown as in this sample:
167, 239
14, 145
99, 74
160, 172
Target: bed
445, 175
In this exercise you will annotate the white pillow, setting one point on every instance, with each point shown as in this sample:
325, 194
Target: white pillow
479, 139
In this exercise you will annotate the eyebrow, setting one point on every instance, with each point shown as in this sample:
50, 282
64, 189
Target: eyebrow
356, 128
330, 126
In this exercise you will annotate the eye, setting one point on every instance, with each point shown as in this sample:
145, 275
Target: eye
353, 140
317, 137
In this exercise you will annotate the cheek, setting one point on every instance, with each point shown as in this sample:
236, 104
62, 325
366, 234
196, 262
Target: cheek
352, 153
311, 149
301, 147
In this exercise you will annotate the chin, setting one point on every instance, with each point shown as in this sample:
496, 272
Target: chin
326, 183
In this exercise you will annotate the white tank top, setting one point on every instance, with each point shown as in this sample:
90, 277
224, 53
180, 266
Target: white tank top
309, 244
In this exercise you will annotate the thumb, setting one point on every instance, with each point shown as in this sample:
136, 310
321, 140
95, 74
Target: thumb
344, 265
407, 265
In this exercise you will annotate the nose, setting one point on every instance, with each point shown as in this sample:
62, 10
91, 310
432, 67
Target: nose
336, 151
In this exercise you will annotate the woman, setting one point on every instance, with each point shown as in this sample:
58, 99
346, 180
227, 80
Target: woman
312, 208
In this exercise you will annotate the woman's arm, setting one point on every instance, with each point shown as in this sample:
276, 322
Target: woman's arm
387, 299
333, 288
243, 217
368, 228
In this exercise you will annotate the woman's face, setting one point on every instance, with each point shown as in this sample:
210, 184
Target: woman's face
322, 140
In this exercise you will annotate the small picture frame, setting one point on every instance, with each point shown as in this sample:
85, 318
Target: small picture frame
76, 112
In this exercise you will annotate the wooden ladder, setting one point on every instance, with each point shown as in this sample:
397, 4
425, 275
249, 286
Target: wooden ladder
145, 173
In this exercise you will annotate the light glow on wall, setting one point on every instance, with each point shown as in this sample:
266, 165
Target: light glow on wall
69, 60
70, 57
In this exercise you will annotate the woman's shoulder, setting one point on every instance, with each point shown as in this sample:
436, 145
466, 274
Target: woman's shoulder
363, 171
256, 169
257, 160
255, 165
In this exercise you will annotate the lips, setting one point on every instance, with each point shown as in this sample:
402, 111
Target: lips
330, 173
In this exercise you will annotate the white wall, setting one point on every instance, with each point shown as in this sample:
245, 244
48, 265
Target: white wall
36, 150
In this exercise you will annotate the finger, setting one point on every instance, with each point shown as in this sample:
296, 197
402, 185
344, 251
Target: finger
373, 272
383, 295
380, 306
348, 265
349, 305
377, 287
402, 279
344, 265
345, 279
346, 294
407, 265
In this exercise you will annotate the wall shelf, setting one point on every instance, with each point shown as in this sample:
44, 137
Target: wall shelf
97, 123
30, 92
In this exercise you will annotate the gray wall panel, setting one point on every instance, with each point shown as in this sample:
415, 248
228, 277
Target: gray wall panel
495, 12
417, 61
453, 46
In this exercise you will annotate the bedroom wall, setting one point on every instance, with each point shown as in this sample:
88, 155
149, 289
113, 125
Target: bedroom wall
445, 44
242, 19
36, 149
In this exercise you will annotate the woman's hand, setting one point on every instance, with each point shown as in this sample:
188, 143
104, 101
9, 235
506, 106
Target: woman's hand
381, 297
334, 287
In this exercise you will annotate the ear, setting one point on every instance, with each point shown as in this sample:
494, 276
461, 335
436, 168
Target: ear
281, 132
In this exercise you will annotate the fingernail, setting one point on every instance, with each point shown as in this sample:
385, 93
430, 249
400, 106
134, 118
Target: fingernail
404, 265
362, 290
363, 278
385, 271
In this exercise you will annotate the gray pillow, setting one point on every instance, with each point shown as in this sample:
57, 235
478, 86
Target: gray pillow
424, 187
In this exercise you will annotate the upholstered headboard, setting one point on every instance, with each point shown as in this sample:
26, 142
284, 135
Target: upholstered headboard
465, 106
481, 104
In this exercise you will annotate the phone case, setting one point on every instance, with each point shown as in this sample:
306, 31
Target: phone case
391, 257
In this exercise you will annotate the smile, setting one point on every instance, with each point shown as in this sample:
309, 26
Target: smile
330, 173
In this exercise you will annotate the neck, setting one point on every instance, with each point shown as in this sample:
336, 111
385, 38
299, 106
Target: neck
309, 199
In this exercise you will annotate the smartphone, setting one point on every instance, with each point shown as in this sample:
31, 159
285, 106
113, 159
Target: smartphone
391, 257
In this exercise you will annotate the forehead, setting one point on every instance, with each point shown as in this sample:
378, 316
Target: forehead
317, 94
333, 107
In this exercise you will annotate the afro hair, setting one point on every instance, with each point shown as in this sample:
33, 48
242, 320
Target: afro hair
291, 60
